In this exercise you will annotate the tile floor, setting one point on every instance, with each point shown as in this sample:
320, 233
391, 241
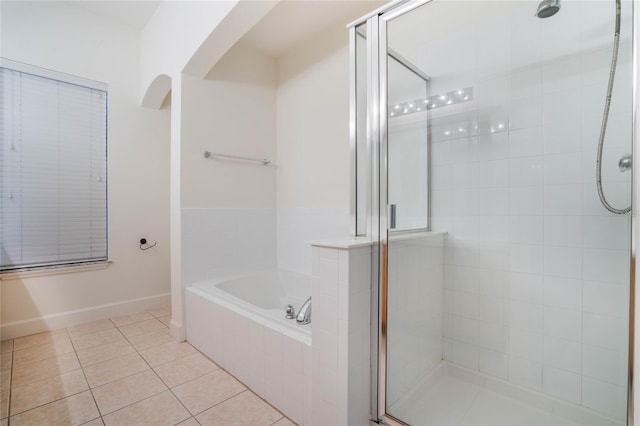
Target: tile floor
121, 371
455, 401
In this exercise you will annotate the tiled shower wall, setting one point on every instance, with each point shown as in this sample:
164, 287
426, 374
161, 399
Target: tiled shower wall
536, 271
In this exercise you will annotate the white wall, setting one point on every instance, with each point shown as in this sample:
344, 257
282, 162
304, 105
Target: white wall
174, 33
228, 206
313, 146
64, 38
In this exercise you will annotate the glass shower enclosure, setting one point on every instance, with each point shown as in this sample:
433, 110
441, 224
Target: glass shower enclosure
482, 146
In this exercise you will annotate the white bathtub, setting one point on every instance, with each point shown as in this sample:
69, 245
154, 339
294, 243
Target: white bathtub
239, 322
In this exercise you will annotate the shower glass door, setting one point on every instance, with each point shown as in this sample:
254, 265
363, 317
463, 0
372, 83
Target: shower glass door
504, 282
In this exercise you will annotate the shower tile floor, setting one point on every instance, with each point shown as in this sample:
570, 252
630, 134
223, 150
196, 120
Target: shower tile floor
121, 371
455, 399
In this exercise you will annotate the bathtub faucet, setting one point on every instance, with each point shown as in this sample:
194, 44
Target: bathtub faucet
304, 314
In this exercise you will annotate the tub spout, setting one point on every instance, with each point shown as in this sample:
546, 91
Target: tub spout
304, 314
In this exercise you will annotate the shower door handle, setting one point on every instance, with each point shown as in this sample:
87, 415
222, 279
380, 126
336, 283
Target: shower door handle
392, 216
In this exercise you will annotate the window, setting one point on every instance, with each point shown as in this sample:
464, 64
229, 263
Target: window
53, 169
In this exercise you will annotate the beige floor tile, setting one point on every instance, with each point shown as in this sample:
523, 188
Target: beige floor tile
74, 410
95, 422
4, 422
130, 319
148, 340
245, 409
143, 327
6, 360
114, 369
168, 352
5, 380
162, 409
189, 422
107, 351
6, 346
284, 422
90, 327
39, 339
123, 392
95, 339
166, 319
50, 367
161, 311
34, 394
207, 391
37, 353
4, 404
182, 370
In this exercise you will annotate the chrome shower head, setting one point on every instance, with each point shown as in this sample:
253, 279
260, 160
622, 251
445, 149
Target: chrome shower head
548, 8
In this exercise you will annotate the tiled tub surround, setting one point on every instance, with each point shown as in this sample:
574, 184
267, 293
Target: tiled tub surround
248, 335
218, 242
536, 271
341, 333
123, 371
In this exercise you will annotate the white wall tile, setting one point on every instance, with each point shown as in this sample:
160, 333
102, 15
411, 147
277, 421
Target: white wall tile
526, 229
525, 142
525, 372
526, 201
493, 309
605, 331
564, 323
493, 201
563, 168
607, 232
465, 354
606, 299
605, 265
493, 336
526, 316
494, 228
526, 287
562, 384
526, 171
493, 146
525, 344
563, 231
562, 353
494, 173
561, 136
563, 261
605, 365
563, 199
465, 304
563, 292
604, 397
525, 112
526, 258
464, 330
493, 363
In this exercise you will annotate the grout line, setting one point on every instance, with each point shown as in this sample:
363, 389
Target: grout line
10, 385
277, 421
86, 380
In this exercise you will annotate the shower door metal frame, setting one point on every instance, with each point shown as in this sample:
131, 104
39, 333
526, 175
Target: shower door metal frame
379, 118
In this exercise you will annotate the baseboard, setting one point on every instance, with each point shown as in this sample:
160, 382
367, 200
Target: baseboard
177, 331
21, 328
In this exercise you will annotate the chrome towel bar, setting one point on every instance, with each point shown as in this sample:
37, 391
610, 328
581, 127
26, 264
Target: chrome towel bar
264, 161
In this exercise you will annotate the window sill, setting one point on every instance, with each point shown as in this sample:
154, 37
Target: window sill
8, 276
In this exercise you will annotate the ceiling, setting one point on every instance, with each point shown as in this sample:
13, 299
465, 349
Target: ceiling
134, 14
292, 22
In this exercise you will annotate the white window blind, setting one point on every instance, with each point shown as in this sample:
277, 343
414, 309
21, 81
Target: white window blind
53, 166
